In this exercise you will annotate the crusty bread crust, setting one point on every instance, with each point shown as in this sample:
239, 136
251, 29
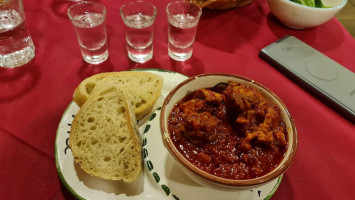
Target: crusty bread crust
104, 137
142, 88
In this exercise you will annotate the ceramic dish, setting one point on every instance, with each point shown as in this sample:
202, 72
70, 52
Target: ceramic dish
264, 122
161, 178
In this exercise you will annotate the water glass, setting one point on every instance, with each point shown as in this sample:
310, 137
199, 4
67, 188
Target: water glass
88, 19
138, 18
183, 17
16, 45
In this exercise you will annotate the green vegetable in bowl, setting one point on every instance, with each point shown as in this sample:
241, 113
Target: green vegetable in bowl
319, 4
311, 3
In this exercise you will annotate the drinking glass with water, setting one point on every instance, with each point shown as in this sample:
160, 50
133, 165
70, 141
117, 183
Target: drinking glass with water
88, 19
16, 45
183, 17
138, 18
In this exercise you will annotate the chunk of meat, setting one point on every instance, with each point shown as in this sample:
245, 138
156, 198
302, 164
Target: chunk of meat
241, 97
258, 117
200, 127
202, 114
193, 105
209, 96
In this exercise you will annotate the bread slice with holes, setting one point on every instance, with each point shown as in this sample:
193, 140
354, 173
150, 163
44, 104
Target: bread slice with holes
104, 137
142, 88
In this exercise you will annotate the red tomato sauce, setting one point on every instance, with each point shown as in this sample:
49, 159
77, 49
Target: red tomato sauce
231, 132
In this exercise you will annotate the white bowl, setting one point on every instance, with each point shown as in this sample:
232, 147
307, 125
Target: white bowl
298, 16
202, 177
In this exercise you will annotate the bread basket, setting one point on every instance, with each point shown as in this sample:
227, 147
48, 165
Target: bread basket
221, 4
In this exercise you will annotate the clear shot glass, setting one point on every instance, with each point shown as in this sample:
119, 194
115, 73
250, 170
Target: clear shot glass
16, 45
88, 19
183, 18
138, 18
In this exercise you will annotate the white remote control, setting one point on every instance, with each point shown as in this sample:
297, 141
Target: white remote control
319, 74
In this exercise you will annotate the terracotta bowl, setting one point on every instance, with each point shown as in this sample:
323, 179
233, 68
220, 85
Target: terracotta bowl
202, 177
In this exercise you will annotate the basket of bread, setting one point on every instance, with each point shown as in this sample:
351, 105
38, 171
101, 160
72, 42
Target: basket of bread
221, 4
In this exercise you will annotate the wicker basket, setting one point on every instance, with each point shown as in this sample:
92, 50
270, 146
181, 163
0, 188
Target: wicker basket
221, 4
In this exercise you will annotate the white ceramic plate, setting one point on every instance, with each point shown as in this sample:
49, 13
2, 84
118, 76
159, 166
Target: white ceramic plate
161, 177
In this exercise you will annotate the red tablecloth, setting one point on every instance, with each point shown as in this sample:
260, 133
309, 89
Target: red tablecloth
33, 97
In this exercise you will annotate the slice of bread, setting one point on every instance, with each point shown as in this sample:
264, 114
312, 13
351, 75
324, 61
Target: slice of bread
142, 88
104, 137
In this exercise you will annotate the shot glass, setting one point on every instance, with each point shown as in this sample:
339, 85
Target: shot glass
138, 18
183, 18
16, 45
88, 19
